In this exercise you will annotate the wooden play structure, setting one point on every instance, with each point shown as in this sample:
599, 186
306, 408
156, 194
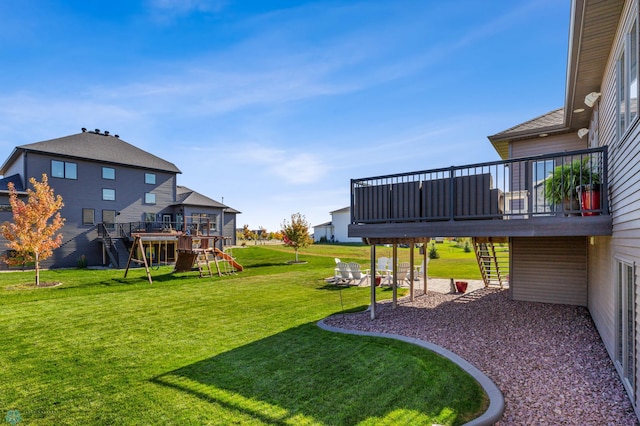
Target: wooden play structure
185, 250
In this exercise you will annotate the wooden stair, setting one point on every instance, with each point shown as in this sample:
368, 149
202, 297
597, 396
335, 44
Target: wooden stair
493, 261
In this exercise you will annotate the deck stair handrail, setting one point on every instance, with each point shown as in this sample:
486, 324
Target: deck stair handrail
493, 264
109, 245
517, 188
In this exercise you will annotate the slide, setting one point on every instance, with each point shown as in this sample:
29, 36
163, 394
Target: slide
228, 258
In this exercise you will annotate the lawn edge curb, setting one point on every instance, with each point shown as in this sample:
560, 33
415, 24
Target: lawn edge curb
494, 412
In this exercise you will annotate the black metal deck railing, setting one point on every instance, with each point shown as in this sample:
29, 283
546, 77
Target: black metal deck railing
124, 230
561, 184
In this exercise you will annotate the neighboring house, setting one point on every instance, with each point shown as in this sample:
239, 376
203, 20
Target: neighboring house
337, 230
585, 258
109, 189
323, 232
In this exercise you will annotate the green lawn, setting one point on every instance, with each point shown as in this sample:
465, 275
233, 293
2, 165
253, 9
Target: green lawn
243, 349
453, 261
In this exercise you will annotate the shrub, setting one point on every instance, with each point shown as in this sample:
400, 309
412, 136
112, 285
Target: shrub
433, 252
82, 262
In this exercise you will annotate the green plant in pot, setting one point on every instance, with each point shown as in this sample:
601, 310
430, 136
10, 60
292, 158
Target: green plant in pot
561, 187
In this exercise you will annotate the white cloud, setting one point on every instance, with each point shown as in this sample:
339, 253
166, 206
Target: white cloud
294, 168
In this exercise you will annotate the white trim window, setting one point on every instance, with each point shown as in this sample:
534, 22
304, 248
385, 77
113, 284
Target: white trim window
627, 73
625, 359
108, 194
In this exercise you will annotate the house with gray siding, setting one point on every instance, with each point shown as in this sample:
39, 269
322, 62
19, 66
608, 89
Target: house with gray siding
110, 189
585, 255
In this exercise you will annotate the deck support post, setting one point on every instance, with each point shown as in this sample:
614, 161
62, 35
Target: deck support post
372, 280
425, 270
395, 275
412, 265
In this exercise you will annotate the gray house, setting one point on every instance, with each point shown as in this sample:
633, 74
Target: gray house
583, 254
110, 189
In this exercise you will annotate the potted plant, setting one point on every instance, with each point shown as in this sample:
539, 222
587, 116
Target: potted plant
562, 186
589, 199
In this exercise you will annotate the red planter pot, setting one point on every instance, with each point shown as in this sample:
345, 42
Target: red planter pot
461, 286
590, 200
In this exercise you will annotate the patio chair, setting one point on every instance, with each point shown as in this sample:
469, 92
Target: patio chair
419, 270
383, 268
403, 272
357, 273
344, 273
337, 271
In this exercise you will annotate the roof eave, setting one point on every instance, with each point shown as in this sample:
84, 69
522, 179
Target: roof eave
593, 26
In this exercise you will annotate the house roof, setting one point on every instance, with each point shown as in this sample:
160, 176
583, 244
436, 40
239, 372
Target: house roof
591, 34
592, 31
324, 225
544, 125
187, 196
94, 146
342, 210
15, 179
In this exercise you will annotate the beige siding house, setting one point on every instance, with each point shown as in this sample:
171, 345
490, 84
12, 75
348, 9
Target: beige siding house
585, 255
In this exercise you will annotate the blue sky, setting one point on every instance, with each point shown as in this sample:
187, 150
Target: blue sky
273, 106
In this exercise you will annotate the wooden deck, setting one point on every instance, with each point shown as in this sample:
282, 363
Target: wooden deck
498, 199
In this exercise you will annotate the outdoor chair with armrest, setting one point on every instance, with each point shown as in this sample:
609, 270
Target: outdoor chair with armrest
357, 273
343, 275
383, 268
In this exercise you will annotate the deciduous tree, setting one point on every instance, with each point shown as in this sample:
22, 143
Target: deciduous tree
32, 234
296, 233
246, 233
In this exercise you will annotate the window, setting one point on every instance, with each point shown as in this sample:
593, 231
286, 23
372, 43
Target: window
625, 324
149, 217
205, 221
149, 198
88, 216
150, 178
540, 171
64, 169
108, 194
108, 173
627, 73
109, 218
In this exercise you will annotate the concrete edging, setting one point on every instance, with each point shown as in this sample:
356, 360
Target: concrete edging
496, 400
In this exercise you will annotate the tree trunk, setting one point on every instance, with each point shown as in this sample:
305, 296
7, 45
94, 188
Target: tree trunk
37, 270
296, 254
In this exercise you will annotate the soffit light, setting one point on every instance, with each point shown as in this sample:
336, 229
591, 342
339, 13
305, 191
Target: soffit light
577, 110
582, 132
591, 99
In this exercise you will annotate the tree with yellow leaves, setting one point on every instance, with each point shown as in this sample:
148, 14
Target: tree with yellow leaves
296, 233
32, 234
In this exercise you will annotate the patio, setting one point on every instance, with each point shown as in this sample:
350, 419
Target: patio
548, 360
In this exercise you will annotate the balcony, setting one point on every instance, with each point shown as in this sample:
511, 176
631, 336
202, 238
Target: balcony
544, 195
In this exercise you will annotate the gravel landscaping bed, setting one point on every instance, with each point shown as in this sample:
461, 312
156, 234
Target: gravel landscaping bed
548, 360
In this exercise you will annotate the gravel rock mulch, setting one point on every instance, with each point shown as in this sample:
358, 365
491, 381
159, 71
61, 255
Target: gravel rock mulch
548, 360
